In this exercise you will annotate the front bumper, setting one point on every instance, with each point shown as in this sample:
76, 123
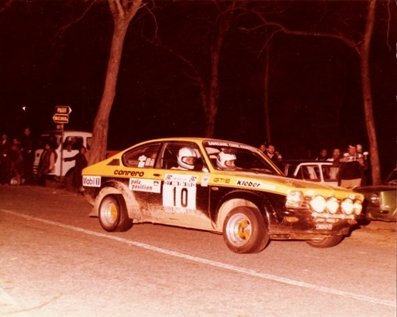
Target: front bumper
307, 226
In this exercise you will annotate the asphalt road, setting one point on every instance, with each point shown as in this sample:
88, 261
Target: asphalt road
57, 261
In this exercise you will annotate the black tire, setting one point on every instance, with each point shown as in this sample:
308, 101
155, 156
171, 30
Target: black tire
244, 230
113, 214
325, 242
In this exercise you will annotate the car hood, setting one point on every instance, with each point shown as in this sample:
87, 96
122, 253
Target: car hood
377, 188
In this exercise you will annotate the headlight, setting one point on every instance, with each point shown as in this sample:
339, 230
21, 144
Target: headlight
294, 199
347, 206
357, 207
332, 205
318, 203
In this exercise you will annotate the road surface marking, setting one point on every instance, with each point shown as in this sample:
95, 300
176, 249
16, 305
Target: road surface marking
225, 266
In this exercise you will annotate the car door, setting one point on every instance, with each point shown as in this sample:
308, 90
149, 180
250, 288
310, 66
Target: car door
183, 199
143, 180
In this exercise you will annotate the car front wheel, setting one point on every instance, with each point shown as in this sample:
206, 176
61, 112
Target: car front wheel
113, 215
325, 242
244, 230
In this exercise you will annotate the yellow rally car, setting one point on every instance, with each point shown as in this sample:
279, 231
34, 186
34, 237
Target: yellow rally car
219, 186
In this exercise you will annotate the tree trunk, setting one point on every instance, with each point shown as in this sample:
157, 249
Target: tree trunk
212, 106
367, 95
213, 91
268, 137
101, 122
122, 11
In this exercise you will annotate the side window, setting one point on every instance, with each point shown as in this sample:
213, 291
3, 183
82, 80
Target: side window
185, 151
143, 156
311, 172
73, 143
333, 172
301, 173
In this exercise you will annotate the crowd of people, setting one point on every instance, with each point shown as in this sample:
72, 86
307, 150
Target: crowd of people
17, 155
351, 166
16, 158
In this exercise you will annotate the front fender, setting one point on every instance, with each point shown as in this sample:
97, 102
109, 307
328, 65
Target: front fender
227, 206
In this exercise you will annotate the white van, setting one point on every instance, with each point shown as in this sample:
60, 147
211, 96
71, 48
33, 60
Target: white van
66, 144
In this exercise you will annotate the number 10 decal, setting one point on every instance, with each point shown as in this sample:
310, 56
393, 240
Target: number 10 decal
179, 192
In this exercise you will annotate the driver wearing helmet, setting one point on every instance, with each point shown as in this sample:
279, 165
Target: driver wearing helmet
226, 160
186, 158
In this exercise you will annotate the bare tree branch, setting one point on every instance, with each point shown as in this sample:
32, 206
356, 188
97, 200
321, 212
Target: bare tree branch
77, 19
282, 28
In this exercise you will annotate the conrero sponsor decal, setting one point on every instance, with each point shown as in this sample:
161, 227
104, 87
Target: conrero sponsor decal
129, 173
92, 181
248, 184
145, 185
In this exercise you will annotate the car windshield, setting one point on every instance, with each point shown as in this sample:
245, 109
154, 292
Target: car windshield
225, 156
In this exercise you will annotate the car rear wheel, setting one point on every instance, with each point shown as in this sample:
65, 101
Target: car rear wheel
325, 242
113, 214
244, 230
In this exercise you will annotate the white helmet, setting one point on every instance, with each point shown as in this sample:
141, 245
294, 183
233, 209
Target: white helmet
223, 158
184, 153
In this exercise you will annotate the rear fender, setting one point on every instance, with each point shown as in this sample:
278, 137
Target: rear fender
119, 188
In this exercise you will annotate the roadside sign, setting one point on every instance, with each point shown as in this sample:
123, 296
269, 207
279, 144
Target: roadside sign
63, 110
60, 118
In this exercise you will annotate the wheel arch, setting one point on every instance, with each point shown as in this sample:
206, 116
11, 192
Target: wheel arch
118, 188
241, 198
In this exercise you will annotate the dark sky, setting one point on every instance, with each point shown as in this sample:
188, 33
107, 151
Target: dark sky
314, 93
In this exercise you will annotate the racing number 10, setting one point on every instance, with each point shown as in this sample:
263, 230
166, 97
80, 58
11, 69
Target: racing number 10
179, 197
182, 199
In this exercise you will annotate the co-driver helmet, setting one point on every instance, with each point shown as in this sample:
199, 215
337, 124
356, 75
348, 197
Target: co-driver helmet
223, 159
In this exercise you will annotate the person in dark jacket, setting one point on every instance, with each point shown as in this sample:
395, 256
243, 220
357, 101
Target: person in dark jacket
81, 162
46, 164
5, 147
350, 171
16, 163
27, 150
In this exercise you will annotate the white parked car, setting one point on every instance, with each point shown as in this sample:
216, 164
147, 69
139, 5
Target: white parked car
66, 144
321, 172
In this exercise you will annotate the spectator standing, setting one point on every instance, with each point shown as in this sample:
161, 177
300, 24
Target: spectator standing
323, 155
46, 164
274, 155
262, 147
16, 163
335, 159
336, 156
27, 150
4, 159
364, 168
350, 171
81, 162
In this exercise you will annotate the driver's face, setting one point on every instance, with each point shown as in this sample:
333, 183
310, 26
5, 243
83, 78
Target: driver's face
230, 164
189, 160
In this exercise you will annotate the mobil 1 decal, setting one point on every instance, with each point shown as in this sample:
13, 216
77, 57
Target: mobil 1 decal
179, 193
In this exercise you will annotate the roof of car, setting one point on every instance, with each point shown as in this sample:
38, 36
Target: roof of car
194, 139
